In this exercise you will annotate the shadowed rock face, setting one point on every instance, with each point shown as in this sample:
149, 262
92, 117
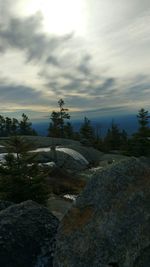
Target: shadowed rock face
27, 236
109, 223
5, 204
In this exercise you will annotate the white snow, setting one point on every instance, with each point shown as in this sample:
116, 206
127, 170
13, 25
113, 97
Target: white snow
42, 149
2, 155
71, 152
71, 197
51, 164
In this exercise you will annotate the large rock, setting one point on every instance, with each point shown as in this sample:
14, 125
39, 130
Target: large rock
77, 158
27, 236
91, 154
109, 224
71, 159
5, 204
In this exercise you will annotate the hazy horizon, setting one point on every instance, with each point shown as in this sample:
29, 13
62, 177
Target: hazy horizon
129, 123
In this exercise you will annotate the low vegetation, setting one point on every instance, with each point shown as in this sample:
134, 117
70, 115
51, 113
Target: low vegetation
62, 182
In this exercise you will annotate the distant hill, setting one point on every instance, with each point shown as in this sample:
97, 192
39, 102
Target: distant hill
127, 122
41, 127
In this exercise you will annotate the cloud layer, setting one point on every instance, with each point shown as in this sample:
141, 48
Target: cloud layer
105, 69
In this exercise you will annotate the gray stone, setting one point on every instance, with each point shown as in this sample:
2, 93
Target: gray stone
109, 223
91, 155
5, 204
27, 236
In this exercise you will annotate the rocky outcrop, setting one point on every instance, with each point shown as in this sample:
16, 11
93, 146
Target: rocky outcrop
73, 157
5, 204
27, 236
91, 154
42, 141
109, 223
74, 162
77, 158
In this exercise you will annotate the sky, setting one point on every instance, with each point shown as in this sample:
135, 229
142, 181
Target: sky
94, 54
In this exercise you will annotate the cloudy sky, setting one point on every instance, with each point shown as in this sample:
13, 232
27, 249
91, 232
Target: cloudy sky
95, 54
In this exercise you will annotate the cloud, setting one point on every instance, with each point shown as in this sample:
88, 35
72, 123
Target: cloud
84, 65
26, 34
138, 89
90, 87
80, 80
107, 86
107, 66
22, 95
53, 61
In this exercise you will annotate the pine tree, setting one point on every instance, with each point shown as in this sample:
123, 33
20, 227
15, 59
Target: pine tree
123, 139
68, 131
25, 126
139, 144
115, 139
143, 120
20, 177
56, 127
63, 115
87, 132
8, 126
14, 126
2, 126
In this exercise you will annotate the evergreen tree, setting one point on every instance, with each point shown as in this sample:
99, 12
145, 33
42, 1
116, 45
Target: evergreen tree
14, 126
8, 126
25, 126
143, 120
115, 139
124, 140
2, 126
68, 131
98, 142
63, 115
19, 146
56, 127
20, 177
87, 132
139, 144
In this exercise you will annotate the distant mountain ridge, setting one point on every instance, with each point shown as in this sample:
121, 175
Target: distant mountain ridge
126, 122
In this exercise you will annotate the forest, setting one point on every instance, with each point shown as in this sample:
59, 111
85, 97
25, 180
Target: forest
60, 126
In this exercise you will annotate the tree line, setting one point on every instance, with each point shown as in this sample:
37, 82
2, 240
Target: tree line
115, 140
12, 126
60, 126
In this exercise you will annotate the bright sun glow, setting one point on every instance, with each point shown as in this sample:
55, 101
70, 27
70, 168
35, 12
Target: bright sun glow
59, 16
63, 16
